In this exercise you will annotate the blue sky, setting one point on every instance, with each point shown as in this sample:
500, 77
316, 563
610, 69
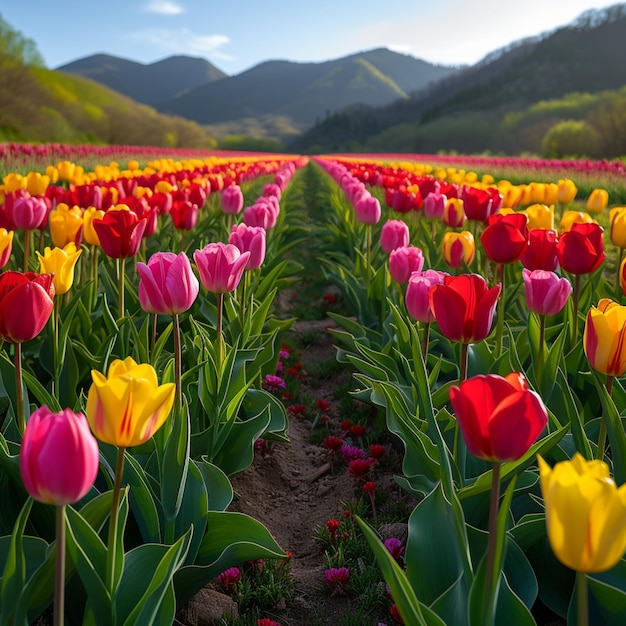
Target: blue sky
237, 34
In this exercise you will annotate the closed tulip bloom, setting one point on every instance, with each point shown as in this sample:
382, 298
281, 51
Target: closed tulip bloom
232, 200
417, 297
127, 406
458, 248
505, 238
434, 204
60, 262
261, 213
167, 284
585, 514
90, 235
464, 307
566, 191
617, 217
454, 213
25, 305
29, 213
404, 261
272, 189
184, 214
541, 251
367, 209
546, 293
36, 183
540, 216
597, 200
66, 225
499, 417
58, 457
6, 246
394, 234
480, 204
581, 249
622, 276
604, 339
570, 218
250, 239
120, 232
221, 266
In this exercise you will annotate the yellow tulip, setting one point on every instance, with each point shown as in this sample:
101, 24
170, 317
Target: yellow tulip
574, 217
36, 184
128, 406
585, 514
89, 232
66, 170
61, 263
617, 217
604, 339
65, 224
458, 248
540, 216
597, 201
566, 191
13, 182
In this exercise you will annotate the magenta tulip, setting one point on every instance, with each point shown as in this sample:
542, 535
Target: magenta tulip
167, 284
394, 234
29, 213
221, 266
418, 294
434, 204
404, 261
546, 293
249, 239
367, 209
232, 200
59, 456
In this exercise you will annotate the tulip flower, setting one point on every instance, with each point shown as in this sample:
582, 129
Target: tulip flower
66, 225
29, 213
89, 232
435, 204
454, 213
250, 239
546, 293
574, 217
499, 417
480, 204
541, 251
184, 214
367, 209
604, 339
232, 200
505, 238
127, 406
36, 183
394, 234
581, 249
566, 191
458, 248
167, 284
540, 216
403, 261
617, 218
597, 200
6, 246
585, 514
58, 457
221, 266
60, 262
262, 214
120, 231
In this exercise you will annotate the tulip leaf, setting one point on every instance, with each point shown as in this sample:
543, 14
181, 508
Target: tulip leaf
14, 573
255, 401
218, 486
615, 430
175, 464
402, 592
164, 335
551, 365
146, 581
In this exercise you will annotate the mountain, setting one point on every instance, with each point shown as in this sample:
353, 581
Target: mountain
149, 84
306, 92
468, 110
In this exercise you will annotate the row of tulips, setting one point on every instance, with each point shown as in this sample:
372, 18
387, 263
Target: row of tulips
170, 387
531, 407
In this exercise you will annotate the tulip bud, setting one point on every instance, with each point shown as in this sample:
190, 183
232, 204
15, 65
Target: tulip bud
232, 200
394, 234
454, 213
458, 248
604, 338
546, 293
403, 261
6, 246
597, 201
367, 209
221, 266
418, 294
61, 263
250, 239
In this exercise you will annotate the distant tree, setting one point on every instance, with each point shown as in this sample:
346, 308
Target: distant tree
571, 138
609, 119
15, 48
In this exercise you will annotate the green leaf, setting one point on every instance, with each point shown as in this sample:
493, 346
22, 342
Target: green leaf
175, 463
218, 486
257, 400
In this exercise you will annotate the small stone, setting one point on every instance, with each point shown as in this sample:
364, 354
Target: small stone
209, 606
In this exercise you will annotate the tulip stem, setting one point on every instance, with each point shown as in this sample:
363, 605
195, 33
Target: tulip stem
575, 297
178, 371
500, 322
618, 289
540, 350
368, 254
490, 575
121, 275
244, 292
153, 337
19, 389
425, 340
94, 266
602, 433
59, 567
582, 598
26, 249
220, 337
463, 362
115, 505
55, 347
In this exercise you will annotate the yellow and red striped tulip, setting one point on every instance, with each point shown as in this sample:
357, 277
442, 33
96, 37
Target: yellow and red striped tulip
604, 339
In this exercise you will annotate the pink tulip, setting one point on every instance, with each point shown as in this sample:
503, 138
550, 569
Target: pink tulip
417, 294
167, 284
394, 234
367, 209
221, 266
29, 213
249, 239
403, 261
434, 204
232, 200
263, 213
546, 293
272, 189
59, 456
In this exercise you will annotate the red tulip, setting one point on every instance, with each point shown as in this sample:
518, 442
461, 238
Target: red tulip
480, 204
581, 249
541, 251
500, 418
25, 305
463, 307
184, 214
506, 237
120, 232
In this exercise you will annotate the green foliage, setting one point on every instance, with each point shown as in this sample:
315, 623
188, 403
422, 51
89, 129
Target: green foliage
15, 48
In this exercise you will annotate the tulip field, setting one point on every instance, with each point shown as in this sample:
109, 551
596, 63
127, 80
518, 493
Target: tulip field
482, 311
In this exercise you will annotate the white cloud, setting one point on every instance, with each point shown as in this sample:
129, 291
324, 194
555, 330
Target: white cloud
183, 41
164, 7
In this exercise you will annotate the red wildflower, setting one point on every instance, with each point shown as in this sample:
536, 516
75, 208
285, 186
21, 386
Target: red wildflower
345, 425
377, 451
296, 409
333, 526
370, 487
332, 443
357, 430
396, 614
359, 467
322, 405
